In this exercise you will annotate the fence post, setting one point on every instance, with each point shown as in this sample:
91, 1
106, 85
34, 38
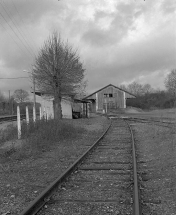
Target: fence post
47, 115
27, 115
34, 114
44, 113
40, 113
18, 122
124, 100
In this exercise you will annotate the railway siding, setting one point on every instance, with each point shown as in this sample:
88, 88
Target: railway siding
103, 184
156, 152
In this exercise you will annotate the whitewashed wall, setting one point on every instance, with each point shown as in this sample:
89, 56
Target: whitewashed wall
66, 108
47, 107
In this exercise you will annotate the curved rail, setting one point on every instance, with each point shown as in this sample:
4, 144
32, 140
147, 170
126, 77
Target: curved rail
159, 123
44, 197
136, 197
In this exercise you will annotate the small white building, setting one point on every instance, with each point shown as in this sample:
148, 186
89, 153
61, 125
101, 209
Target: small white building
47, 107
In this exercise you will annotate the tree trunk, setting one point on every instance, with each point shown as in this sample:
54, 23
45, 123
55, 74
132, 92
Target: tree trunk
57, 106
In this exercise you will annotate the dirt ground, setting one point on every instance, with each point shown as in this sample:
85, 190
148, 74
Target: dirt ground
22, 180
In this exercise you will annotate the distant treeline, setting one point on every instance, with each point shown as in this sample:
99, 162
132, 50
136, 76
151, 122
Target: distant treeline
155, 100
10, 108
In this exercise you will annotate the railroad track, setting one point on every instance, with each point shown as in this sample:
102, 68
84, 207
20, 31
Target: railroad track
102, 181
154, 164
167, 124
12, 118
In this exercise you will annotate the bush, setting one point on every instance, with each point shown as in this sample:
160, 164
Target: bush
155, 100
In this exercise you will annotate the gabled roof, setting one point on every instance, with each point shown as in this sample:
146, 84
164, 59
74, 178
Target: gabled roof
64, 97
106, 87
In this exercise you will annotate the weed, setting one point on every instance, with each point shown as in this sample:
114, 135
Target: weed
7, 134
41, 136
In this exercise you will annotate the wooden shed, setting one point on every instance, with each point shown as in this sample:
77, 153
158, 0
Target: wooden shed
108, 97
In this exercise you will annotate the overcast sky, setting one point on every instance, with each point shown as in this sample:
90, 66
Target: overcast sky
119, 41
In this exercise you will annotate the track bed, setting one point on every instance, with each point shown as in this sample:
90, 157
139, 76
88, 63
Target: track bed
155, 148
103, 182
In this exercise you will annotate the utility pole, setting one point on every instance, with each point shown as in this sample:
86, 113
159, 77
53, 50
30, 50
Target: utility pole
34, 90
12, 105
34, 114
33, 80
9, 104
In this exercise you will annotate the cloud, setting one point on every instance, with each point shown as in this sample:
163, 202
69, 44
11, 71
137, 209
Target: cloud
119, 41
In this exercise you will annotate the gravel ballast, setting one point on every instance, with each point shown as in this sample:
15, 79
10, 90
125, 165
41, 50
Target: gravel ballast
156, 156
25, 178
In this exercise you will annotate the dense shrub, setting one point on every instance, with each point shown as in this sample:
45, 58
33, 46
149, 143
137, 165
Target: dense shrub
161, 99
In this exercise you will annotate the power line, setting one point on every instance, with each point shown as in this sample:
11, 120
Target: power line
13, 39
16, 27
13, 29
21, 19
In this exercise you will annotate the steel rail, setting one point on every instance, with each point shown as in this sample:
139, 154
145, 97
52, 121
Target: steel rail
36, 205
151, 120
136, 192
6, 118
159, 123
12, 118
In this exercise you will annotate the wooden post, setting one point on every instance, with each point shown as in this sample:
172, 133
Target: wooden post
106, 106
40, 113
47, 115
88, 110
44, 113
96, 102
124, 100
18, 122
34, 114
27, 115
82, 109
9, 104
12, 106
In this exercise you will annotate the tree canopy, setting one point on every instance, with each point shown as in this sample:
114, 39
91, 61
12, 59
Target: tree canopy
170, 82
58, 71
20, 96
137, 89
2, 97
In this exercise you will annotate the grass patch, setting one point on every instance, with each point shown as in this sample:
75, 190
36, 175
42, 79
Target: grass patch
7, 134
38, 137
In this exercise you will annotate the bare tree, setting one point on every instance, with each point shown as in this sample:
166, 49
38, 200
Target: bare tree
2, 97
146, 88
170, 82
123, 87
135, 88
58, 71
20, 95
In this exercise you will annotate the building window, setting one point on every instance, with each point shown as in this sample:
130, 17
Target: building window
110, 95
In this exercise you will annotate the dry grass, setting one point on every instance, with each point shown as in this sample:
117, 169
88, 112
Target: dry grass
36, 138
49, 149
